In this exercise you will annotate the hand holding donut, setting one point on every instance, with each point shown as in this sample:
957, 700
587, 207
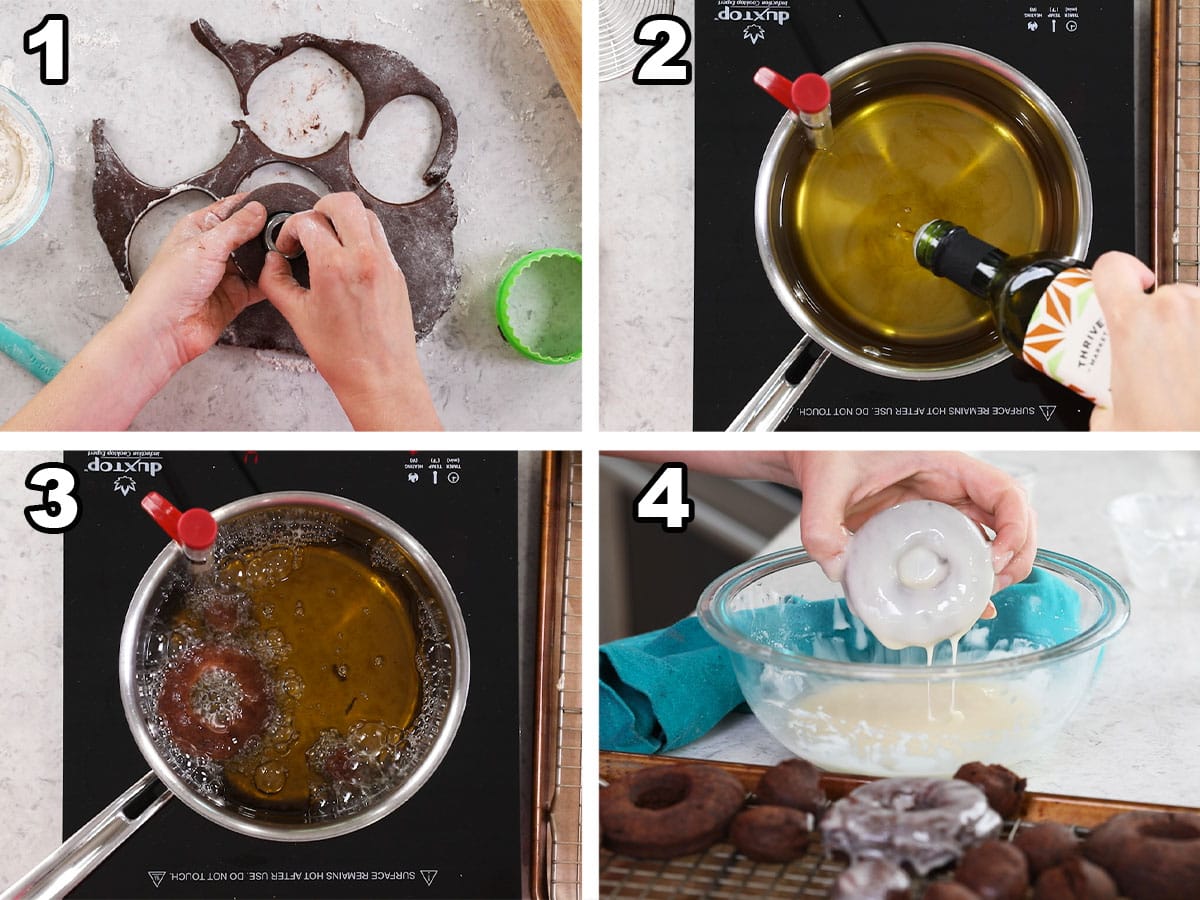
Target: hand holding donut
842, 490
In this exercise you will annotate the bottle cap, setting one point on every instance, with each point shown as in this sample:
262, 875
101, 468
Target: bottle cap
194, 530
810, 93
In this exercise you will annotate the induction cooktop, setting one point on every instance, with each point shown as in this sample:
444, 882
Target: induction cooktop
458, 836
1082, 55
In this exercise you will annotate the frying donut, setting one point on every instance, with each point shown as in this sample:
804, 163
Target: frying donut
213, 700
925, 822
1150, 855
917, 574
664, 811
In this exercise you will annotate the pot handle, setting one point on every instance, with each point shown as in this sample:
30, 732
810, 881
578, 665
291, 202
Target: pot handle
775, 399
90, 845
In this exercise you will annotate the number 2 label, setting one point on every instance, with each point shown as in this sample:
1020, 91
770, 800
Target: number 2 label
664, 499
49, 40
670, 37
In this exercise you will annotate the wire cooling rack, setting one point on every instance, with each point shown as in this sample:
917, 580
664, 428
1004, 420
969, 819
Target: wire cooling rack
1176, 176
721, 873
559, 845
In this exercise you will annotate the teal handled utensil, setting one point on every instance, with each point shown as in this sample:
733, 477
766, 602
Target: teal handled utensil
38, 361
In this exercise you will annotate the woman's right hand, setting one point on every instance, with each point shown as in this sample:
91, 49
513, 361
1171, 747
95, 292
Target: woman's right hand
354, 320
1154, 339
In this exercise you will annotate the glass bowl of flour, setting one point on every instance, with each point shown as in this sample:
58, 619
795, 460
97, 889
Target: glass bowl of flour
26, 167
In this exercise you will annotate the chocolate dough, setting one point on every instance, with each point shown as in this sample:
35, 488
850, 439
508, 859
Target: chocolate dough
279, 197
420, 233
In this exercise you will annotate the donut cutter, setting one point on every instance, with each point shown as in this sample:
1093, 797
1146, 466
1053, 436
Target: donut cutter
420, 233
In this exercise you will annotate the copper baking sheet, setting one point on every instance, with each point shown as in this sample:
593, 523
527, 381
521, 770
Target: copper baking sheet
721, 873
558, 785
1176, 137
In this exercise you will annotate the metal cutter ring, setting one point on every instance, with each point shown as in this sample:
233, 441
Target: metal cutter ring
272, 228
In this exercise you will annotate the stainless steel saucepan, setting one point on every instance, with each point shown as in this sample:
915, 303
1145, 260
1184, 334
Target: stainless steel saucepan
307, 519
1018, 105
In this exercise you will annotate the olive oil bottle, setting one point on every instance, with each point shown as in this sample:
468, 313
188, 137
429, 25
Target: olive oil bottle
1044, 305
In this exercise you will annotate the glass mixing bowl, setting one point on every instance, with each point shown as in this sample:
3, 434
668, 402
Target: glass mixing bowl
828, 691
29, 199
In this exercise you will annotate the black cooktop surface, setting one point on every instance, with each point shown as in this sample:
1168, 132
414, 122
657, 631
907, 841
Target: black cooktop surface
1082, 55
458, 836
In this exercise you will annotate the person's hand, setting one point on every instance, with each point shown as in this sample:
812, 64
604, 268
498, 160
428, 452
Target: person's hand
842, 490
191, 291
1153, 338
354, 320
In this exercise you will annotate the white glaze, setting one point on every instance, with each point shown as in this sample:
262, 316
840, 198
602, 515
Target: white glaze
918, 574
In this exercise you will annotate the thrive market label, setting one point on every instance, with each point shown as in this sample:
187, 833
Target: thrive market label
1067, 339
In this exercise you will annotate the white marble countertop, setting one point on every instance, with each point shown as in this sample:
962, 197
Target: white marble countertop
1135, 735
169, 104
647, 219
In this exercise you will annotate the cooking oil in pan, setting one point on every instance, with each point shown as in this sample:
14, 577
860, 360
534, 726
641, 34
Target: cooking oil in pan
894, 163
335, 632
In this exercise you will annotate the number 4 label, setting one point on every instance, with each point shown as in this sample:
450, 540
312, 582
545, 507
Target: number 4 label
664, 499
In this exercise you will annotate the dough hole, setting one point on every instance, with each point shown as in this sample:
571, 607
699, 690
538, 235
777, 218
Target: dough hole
391, 160
303, 104
156, 223
272, 173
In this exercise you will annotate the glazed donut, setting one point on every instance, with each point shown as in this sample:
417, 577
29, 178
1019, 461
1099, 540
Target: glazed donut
995, 870
795, 783
1150, 855
664, 811
1005, 790
918, 573
213, 700
771, 833
871, 879
925, 822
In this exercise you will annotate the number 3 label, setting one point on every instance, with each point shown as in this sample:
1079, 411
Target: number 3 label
670, 37
59, 509
664, 499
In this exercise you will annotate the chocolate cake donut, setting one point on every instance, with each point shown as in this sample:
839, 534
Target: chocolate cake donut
925, 822
1005, 789
771, 833
1046, 844
795, 783
664, 811
1150, 855
1075, 879
995, 870
871, 879
949, 890
214, 699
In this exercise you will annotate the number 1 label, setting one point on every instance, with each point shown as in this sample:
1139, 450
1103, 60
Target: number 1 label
49, 40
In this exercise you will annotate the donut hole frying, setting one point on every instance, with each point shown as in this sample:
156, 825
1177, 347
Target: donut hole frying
216, 699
